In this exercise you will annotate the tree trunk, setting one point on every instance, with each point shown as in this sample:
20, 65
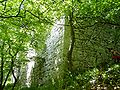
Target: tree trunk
72, 41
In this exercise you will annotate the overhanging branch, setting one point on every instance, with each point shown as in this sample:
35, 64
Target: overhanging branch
20, 8
99, 20
13, 16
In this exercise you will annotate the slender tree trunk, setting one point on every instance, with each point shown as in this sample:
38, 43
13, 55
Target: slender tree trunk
69, 57
70, 51
14, 84
2, 65
16, 77
72, 41
10, 70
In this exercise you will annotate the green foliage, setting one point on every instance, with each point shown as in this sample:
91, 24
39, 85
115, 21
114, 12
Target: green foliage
26, 23
90, 79
48, 85
8, 86
94, 78
21, 26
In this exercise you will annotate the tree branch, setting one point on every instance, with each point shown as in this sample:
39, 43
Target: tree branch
3, 1
5, 4
100, 20
17, 15
13, 57
12, 63
33, 14
20, 8
15, 77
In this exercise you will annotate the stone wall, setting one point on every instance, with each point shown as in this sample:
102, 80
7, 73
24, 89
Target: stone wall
54, 50
49, 63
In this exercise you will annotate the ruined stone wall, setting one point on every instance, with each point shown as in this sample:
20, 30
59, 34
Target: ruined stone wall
54, 51
48, 64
